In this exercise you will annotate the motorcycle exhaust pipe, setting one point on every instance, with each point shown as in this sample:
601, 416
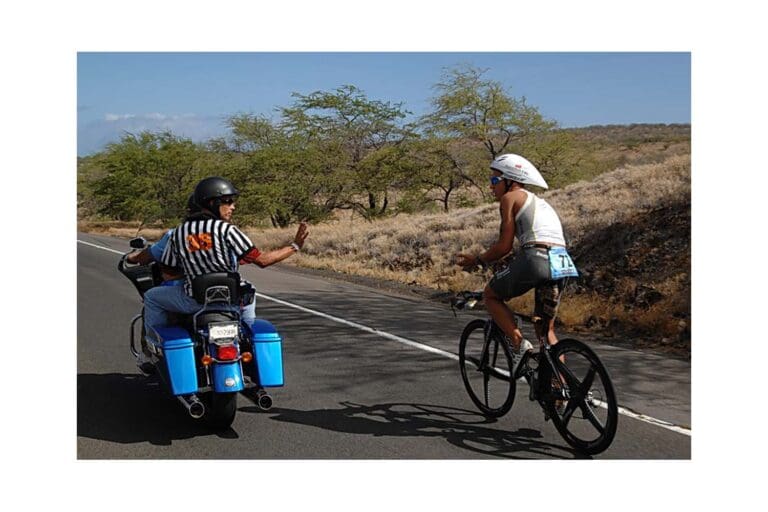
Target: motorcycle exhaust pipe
194, 406
264, 401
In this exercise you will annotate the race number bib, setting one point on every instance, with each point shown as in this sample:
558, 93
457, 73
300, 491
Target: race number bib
560, 263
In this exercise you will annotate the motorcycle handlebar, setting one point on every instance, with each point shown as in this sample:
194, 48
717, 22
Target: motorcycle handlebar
123, 264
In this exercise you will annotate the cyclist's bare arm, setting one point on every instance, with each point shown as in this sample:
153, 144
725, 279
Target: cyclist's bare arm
503, 245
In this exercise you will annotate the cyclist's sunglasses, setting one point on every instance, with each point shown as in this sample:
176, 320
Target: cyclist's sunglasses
496, 179
228, 200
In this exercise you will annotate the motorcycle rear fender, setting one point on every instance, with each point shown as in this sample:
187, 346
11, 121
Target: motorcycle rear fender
227, 377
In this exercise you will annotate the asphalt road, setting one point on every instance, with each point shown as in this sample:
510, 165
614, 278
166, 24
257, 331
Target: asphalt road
349, 393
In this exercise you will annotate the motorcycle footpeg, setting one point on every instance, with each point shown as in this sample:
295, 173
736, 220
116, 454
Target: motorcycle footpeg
146, 368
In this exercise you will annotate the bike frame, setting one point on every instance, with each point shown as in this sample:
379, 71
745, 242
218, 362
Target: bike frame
531, 376
554, 385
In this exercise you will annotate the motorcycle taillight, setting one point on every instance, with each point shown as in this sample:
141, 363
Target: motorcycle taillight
227, 353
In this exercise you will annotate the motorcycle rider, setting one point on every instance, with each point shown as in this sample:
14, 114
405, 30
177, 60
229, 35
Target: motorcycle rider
542, 262
207, 242
170, 276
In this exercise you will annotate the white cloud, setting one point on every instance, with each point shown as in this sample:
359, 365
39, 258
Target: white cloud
95, 135
118, 117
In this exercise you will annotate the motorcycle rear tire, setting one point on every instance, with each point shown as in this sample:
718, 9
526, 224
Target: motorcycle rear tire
220, 410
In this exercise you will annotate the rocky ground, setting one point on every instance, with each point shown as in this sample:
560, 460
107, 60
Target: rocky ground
642, 267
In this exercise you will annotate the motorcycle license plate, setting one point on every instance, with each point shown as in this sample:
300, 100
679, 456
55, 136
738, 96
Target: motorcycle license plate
222, 331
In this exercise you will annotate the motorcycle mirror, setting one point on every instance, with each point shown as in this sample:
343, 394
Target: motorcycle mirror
138, 243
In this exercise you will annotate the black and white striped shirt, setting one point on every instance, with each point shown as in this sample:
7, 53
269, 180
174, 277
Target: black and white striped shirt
204, 246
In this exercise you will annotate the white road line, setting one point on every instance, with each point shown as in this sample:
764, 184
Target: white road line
365, 328
416, 344
100, 247
626, 412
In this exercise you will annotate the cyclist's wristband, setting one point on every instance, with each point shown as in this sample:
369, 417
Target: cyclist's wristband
295, 246
480, 262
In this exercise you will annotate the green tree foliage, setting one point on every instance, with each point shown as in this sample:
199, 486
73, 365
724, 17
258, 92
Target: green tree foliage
286, 175
339, 150
442, 166
146, 176
468, 106
559, 156
365, 136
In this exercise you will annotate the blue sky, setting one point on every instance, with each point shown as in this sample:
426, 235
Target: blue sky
192, 93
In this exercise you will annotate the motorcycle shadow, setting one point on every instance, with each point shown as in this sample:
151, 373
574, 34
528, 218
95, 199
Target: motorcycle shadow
126, 408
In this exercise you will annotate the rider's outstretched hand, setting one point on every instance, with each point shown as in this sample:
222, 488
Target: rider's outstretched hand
466, 260
301, 234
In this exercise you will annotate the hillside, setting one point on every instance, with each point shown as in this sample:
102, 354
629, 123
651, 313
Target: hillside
629, 232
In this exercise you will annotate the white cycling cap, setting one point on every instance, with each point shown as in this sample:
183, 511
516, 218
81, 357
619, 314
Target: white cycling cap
516, 168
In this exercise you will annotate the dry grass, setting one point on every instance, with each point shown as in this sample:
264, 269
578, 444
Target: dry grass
120, 229
619, 195
419, 249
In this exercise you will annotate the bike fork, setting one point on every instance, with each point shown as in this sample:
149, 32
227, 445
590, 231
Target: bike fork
486, 353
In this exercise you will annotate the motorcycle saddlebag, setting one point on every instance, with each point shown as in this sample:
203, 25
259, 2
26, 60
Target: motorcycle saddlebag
179, 354
267, 354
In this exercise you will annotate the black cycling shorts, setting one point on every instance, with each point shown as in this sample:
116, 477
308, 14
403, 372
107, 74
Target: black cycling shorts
530, 269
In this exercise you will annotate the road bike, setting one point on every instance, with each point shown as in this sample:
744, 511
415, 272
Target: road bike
567, 379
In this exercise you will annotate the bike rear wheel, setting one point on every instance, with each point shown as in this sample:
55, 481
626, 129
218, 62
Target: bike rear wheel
587, 416
487, 375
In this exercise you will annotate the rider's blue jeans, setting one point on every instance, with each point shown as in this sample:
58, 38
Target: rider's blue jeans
160, 300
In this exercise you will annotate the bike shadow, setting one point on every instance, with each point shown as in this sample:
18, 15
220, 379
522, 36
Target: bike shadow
459, 427
125, 408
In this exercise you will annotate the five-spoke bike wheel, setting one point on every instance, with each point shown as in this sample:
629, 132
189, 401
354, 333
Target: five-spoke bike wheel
487, 374
586, 415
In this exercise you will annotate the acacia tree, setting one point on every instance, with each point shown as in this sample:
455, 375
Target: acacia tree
287, 175
469, 107
442, 166
147, 176
366, 135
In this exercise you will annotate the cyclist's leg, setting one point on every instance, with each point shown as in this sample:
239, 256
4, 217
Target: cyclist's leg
547, 301
502, 315
522, 274
545, 329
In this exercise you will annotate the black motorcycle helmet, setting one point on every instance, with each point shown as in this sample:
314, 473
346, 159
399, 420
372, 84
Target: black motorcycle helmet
192, 205
208, 193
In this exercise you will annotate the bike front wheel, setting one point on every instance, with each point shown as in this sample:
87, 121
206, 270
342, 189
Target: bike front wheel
486, 371
580, 399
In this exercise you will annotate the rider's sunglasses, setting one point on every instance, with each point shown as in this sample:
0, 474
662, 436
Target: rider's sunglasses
228, 200
496, 179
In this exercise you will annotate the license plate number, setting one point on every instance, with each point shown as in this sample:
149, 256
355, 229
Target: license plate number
222, 331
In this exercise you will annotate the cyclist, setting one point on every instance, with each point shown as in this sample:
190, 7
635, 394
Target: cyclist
207, 242
542, 262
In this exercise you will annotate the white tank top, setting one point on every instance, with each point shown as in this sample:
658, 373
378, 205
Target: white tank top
537, 221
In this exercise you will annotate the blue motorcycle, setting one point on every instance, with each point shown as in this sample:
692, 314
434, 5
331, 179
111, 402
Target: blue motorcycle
206, 359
